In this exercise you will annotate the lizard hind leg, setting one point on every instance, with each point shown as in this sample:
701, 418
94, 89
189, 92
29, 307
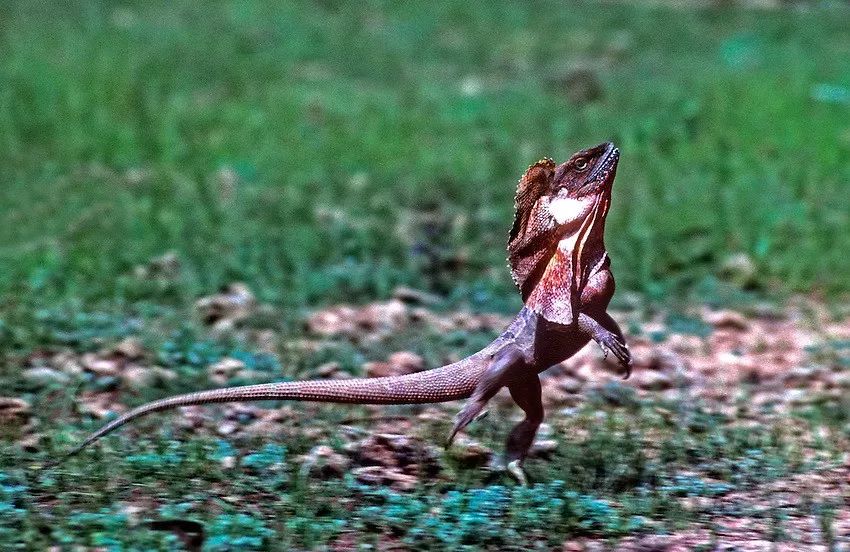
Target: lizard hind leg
498, 374
527, 394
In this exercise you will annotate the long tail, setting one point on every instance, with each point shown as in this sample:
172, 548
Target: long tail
448, 383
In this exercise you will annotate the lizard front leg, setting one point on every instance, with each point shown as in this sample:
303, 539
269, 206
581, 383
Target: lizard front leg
601, 327
608, 335
498, 374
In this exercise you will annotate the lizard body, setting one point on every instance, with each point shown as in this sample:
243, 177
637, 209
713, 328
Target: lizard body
558, 261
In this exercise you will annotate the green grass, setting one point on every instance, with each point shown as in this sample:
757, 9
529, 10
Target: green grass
629, 474
367, 145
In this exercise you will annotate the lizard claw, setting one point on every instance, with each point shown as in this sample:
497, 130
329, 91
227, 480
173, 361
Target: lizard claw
471, 412
610, 342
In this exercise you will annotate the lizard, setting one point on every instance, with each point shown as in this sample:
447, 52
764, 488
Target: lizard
558, 260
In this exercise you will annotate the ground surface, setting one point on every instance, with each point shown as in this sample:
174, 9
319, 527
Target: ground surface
733, 431
154, 153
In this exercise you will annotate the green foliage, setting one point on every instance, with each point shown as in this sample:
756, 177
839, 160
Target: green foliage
185, 349
189, 353
494, 517
325, 152
12, 511
689, 485
81, 329
237, 532
607, 479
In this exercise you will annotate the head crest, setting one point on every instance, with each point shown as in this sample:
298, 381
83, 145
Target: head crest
533, 184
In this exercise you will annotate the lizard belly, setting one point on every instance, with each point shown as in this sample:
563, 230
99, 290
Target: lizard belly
545, 343
553, 297
557, 345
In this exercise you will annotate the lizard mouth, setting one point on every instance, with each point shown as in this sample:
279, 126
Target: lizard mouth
603, 173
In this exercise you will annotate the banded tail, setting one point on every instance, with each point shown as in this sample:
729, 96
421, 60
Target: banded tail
447, 383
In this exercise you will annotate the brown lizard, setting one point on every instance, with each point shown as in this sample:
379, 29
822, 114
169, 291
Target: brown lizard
558, 260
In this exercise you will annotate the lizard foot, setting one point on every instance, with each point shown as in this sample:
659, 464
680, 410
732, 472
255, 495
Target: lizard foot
610, 342
503, 366
471, 412
515, 469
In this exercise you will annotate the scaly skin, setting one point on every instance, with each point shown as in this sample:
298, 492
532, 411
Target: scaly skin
558, 260
452, 382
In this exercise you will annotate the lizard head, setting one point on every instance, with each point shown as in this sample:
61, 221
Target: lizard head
556, 205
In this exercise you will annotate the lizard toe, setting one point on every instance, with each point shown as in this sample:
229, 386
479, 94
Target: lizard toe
472, 411
515, 469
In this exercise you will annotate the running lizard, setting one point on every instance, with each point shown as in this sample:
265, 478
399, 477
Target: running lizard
558, 260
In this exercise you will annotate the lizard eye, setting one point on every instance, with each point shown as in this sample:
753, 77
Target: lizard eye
581, 164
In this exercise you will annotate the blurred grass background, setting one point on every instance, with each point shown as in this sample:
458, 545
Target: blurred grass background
325, 151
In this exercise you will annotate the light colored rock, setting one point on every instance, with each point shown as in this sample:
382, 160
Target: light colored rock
227, 180
242, 412
228, 462
99, 366
428, 318
68, 363
543, 448
267, 341
726, 319
331, 370
389, 450
797, 397
334, 321
166, 266
371, 475
839, 380
553, 396
226, 368
378, 369
14, 412
652, 380
323, 461
384, 317
379, 475
433, 414
139, 377
227, 428
406, 362
470, 453
396, 365
42, 376
225, 310
130, 348
99, 405
545, 430
739, 269
684, 344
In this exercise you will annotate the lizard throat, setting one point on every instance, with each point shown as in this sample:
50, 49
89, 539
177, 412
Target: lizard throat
564, 209
557, 295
